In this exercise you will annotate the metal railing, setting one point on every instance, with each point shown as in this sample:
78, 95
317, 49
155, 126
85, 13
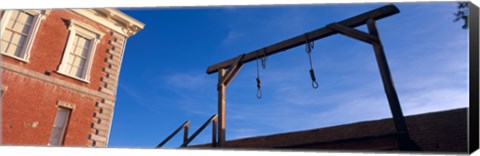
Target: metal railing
186, 139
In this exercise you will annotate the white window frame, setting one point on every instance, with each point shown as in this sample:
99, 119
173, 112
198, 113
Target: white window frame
39, 15
77, 28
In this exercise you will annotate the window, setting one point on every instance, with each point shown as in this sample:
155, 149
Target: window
18, 30
59, 126
78, 55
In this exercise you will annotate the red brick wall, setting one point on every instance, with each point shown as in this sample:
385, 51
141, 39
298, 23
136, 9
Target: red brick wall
50, 42
23, 105
28, 100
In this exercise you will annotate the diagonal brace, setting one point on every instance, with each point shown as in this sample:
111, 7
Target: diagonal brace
354, 33
232, 72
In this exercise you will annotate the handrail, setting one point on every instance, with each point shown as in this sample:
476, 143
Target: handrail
185, 136
212, 119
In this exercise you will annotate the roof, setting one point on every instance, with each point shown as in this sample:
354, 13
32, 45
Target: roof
113, 19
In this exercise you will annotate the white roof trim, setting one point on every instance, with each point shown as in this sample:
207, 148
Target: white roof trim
113, 19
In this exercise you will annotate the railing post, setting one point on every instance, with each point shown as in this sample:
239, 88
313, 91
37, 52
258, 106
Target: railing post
185, 132
214, 132
199, 130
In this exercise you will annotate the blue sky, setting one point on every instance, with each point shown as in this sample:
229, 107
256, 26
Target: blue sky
163, 80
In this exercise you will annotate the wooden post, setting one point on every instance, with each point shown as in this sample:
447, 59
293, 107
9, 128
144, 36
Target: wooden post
404, 140
387, 80
221, 107
214, 132
185, 132
195, 134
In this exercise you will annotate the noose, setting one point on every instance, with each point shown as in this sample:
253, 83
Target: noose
259, 90
308, 48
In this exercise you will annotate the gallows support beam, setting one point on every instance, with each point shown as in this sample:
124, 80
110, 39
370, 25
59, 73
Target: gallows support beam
353, 22
345, 27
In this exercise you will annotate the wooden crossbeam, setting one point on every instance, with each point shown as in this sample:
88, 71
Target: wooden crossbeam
323, 32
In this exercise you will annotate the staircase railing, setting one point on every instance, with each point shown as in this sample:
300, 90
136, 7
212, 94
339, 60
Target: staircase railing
185, 126
213, 120
186, 139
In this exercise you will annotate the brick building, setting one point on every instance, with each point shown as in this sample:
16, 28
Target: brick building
60, 71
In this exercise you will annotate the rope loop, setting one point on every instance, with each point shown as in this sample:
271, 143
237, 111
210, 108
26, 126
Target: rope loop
314, 80
259, 94
259, 90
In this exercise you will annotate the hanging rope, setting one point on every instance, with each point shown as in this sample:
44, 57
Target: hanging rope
264, 58
308, 48
259, 90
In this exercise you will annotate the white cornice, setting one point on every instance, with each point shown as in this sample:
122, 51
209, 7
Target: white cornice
113, 19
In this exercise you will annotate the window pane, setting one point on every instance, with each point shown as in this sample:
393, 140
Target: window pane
68, 67
82, 63
81, 41
14, 14
21, 28
18, 39
59, 126
74, 71
79, 62
70, 60
24, 29
85, 52
7, 35
5, 40
15, 45
61, 117
10, 23
56, 136
4, 46
78, 51
87, 43
79, 72
18, 50
25, 18
75, 40
13, 49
